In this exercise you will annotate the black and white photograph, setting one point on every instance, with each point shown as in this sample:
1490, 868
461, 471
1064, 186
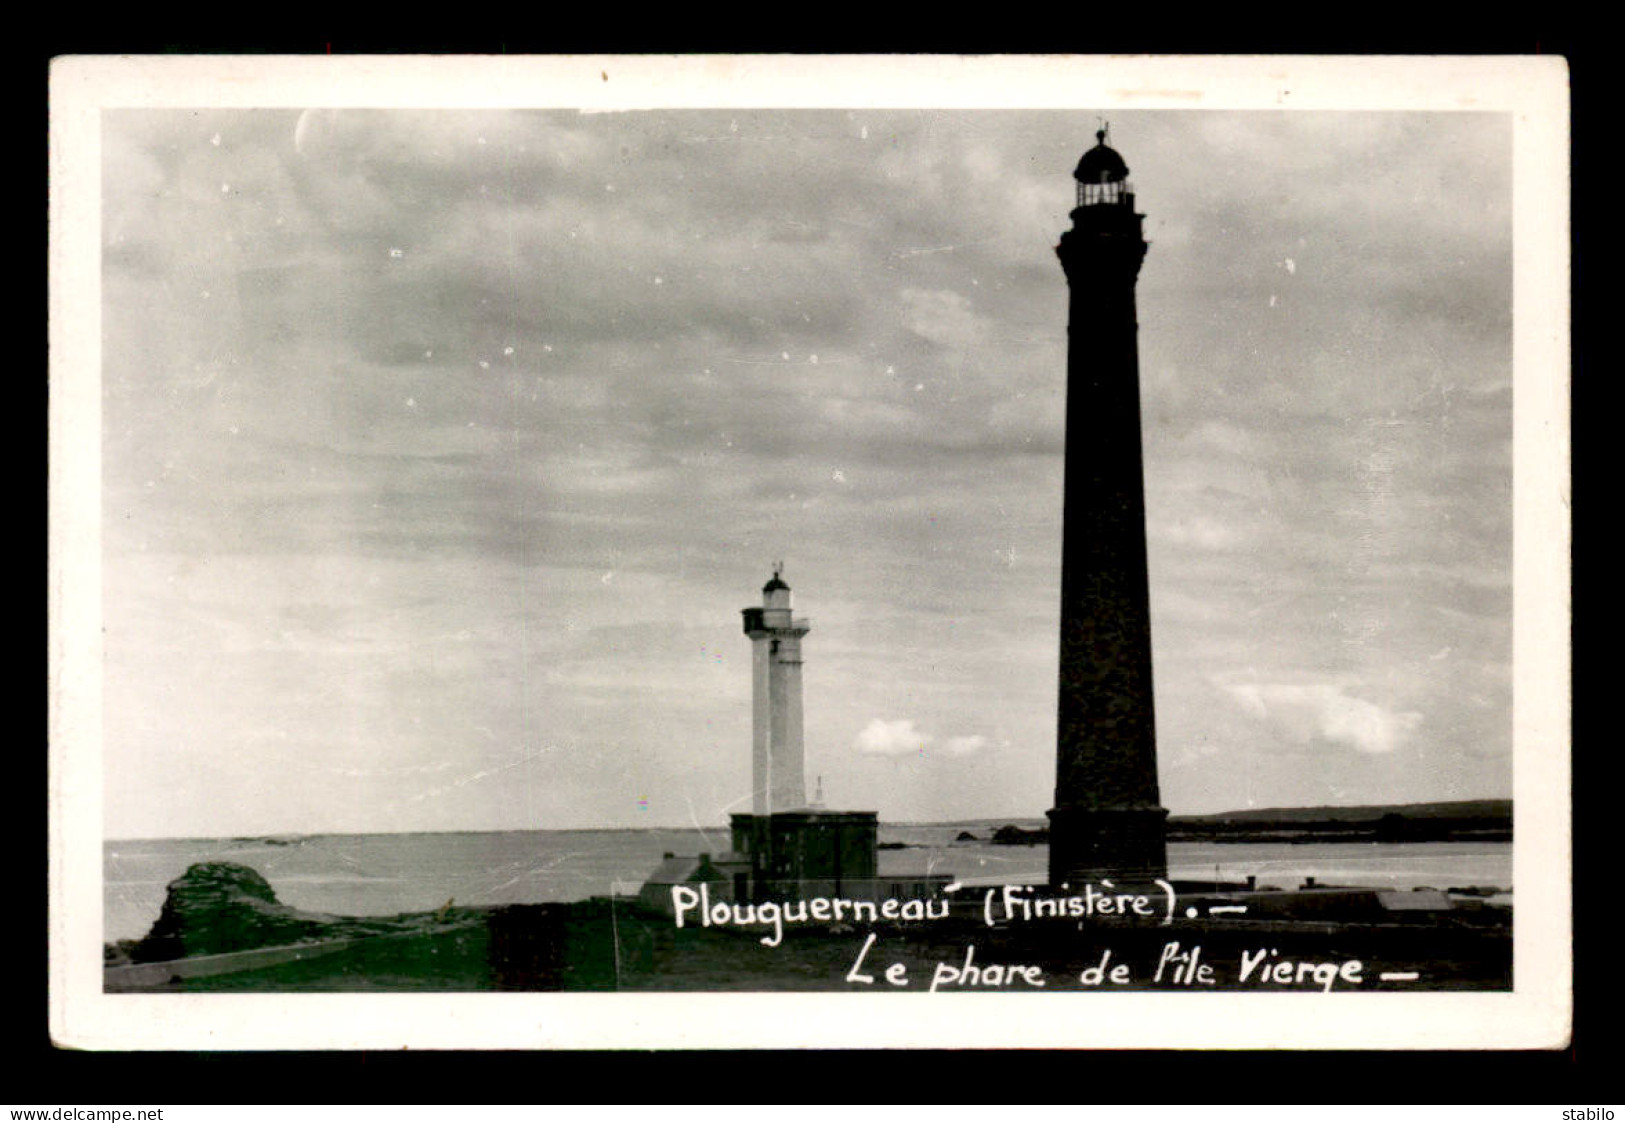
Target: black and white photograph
538, 540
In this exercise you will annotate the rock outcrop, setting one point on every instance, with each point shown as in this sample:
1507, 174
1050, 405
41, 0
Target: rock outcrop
217, 907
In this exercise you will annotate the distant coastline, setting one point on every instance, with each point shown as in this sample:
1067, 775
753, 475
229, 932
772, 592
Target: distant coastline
1468, 820
1474, 820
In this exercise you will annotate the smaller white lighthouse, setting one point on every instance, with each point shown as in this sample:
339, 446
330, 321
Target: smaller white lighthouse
778, 777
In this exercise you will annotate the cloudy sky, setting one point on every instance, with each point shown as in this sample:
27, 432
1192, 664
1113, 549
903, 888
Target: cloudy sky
441, 450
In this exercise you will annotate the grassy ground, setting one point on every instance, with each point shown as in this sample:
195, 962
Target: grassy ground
608, 946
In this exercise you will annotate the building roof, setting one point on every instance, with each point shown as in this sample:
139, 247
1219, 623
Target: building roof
1101, 164
803, 813
684, 869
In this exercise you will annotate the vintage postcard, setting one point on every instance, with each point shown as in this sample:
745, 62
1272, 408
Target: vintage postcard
799, 551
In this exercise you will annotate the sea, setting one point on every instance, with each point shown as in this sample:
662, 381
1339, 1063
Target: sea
386, 874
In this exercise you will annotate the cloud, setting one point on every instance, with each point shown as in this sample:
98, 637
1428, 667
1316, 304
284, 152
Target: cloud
1197, 530
964, 746
1326, 711
899, 738
943, 317
891, 738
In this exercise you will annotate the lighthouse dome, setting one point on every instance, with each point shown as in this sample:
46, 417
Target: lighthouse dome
775, 584
1101, 164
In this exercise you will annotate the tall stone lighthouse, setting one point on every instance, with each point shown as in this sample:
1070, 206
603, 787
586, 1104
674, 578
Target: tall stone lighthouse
778, 764
1107, 820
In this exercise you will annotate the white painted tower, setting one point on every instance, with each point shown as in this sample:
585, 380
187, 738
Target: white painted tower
778, 777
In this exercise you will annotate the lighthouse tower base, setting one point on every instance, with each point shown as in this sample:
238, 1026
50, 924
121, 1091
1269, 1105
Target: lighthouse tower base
806, 853
1126, 844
